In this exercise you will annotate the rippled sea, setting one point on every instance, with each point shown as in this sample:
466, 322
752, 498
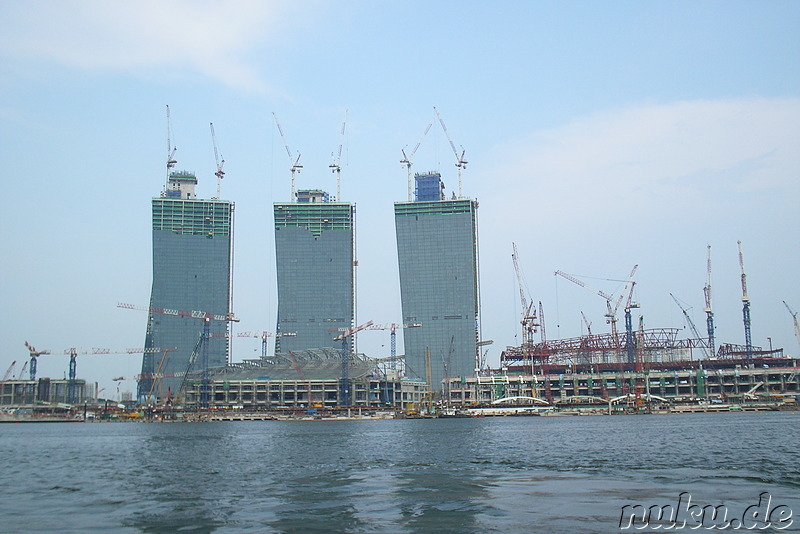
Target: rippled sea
524, 474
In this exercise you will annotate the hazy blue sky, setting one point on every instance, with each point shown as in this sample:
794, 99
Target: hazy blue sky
599, 135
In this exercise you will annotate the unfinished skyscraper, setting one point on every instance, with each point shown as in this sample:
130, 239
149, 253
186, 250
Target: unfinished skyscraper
314, 245
192, 256
437, 253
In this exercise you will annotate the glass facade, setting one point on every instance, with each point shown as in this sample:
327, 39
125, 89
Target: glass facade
437, 254
314, 245
192, 255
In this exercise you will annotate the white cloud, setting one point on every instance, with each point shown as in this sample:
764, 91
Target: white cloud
212, 38
649, 158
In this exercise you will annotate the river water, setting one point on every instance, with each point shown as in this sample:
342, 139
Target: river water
524, 474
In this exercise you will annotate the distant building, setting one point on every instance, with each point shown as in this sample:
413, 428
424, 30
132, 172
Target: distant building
437, 253
192, 257
304, 379
44, 391
314, 249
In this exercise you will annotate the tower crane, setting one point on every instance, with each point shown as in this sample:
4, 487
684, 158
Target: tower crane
345, 380
393, 327
171, 161
34, 354
407, 158
748, 342
794, 319
73, 363
218, 159
30, 392
295, 163
336, 165
461, 163
691, 324
611, 315
709, 313
529, 320
629, 324
202, 344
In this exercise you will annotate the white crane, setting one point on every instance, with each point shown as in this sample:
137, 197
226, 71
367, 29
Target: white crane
461, 163
294, 162
407, 158
171, 161
219, 159
794, 319
336, 165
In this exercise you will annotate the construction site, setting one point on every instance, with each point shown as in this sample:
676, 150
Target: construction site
314, 365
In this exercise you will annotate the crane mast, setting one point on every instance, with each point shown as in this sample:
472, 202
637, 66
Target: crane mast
709, 313
171, 161
629, 324
745, 307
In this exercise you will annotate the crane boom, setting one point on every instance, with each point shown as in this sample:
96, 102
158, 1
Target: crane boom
691, 324
408, 157
588, 323
8, 371
230, 317
794, 319
295, 163
461, 163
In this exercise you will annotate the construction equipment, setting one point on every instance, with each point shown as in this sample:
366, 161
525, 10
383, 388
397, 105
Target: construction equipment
461, 163
709, 313
748, 342
202, 344
22, 370
529, 320
8, 371
393, 327
171, 161
629, 324
34, 354
588, 324
336, 165
691, 325
407, 159
295, 163
794, 319
344, 398
611, 315
220, 161
73, 363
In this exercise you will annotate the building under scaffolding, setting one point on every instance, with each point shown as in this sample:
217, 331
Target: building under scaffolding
302, 380
729, 381
654, 346
44, 390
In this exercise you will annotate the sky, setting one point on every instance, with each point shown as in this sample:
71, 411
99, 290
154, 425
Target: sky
599, 135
